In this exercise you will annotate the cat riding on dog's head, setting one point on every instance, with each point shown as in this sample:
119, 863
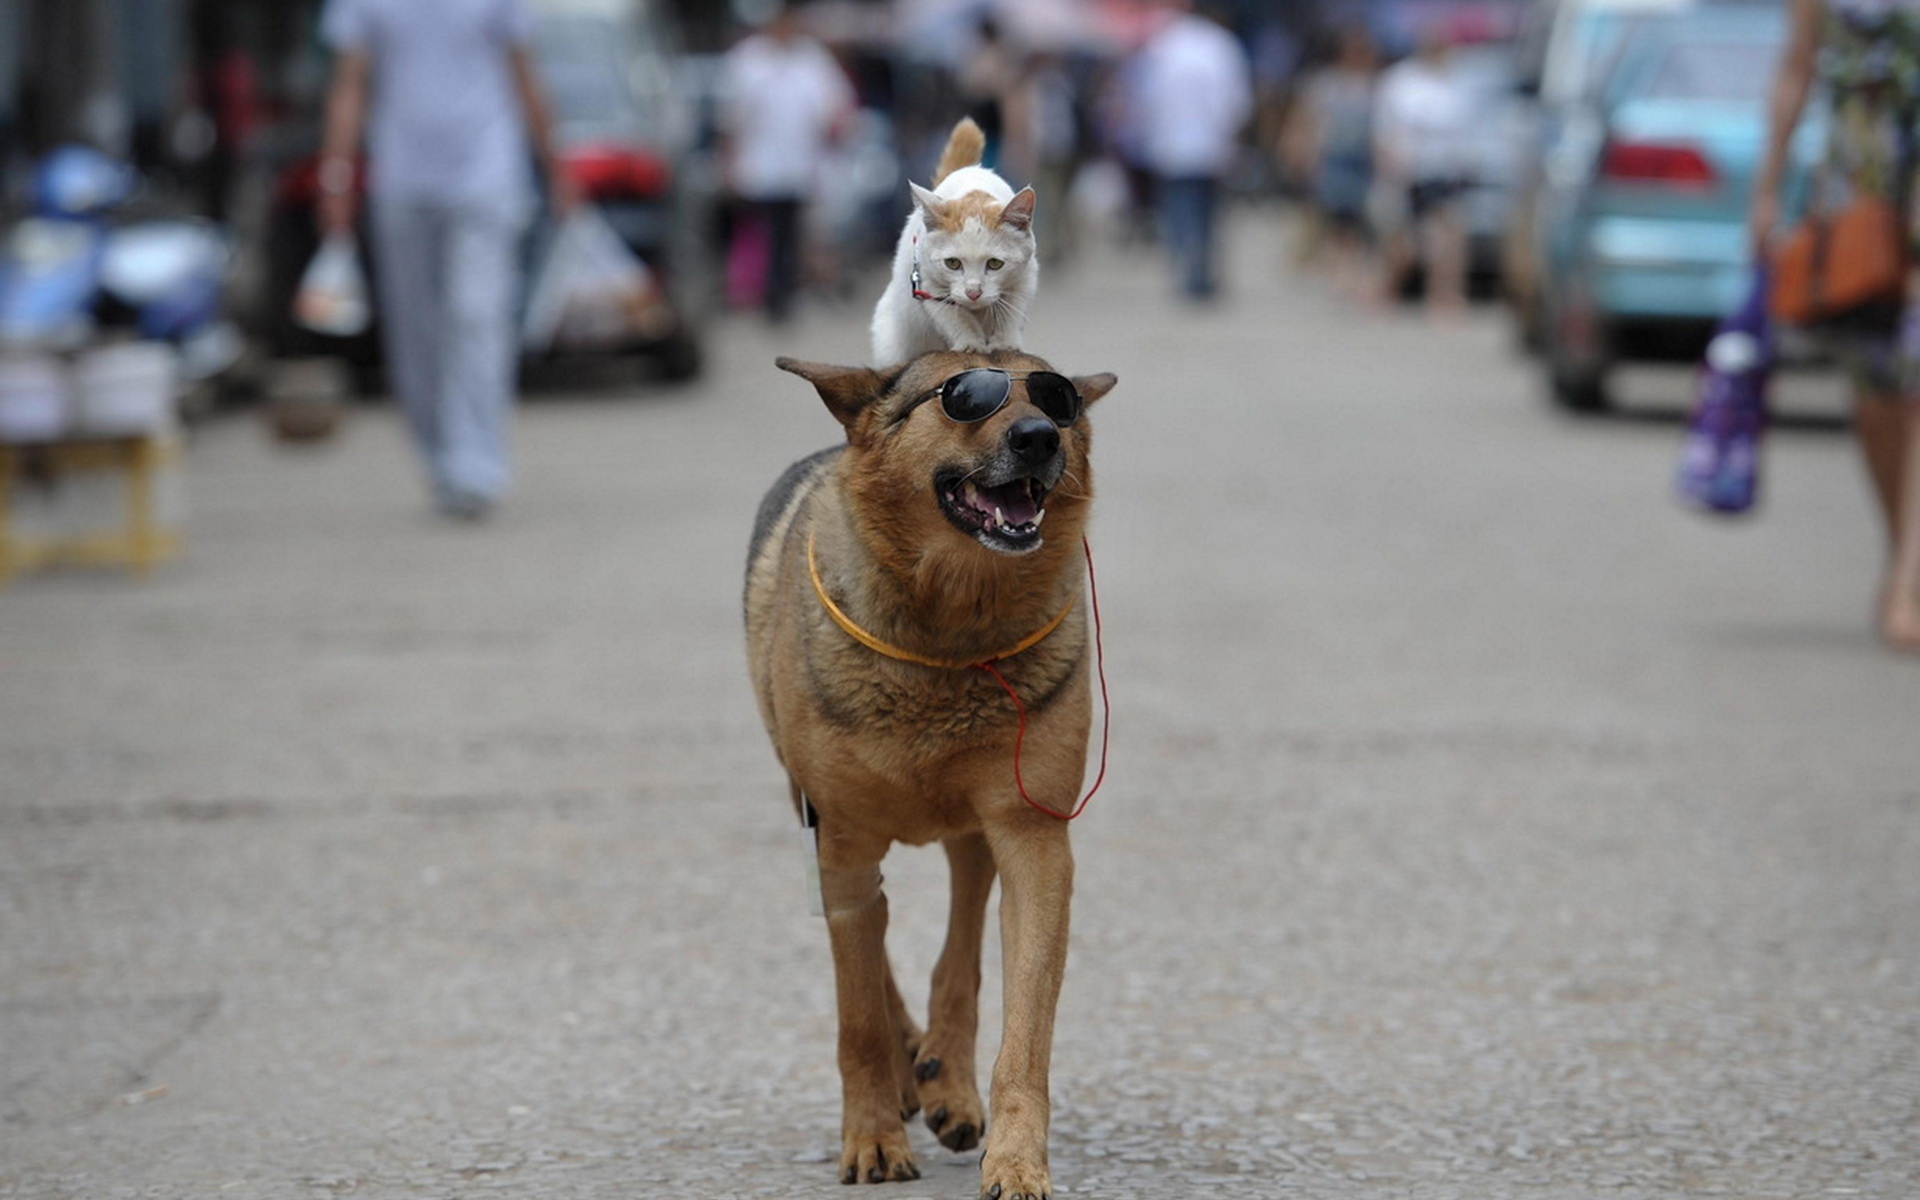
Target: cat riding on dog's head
965, 271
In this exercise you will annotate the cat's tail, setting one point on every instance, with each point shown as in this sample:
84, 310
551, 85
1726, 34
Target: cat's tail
966, 146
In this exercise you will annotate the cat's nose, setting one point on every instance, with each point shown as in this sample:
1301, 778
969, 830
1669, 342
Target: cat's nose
973, 293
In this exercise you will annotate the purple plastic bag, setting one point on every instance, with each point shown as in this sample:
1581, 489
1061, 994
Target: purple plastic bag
1720, 459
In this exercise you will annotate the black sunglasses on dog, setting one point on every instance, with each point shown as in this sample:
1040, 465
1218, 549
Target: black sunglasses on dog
976, 394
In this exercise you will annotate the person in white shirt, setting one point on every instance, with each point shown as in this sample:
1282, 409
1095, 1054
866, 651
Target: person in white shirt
785, 101
1193, 95
446, 93
1421, 123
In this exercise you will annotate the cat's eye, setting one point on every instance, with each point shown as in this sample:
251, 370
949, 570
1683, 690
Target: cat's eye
954, 264
994, 264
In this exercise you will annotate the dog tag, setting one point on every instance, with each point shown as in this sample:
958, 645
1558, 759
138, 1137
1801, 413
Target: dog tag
810, 852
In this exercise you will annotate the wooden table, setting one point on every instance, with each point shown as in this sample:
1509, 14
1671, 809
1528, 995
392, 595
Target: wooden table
139, 543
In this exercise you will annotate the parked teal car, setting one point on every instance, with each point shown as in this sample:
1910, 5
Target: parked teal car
1644, 232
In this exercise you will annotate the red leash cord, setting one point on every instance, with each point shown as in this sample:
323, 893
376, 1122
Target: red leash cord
1106, 707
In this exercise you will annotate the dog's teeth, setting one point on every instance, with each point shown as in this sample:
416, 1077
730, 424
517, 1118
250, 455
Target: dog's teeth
1039, 517
999, 518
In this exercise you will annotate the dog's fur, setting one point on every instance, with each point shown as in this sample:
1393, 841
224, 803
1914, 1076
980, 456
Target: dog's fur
889, 751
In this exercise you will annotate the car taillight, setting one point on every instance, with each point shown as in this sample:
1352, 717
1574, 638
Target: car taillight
606, 172
1675, 164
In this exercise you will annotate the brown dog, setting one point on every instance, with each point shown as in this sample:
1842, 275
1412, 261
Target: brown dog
919, 542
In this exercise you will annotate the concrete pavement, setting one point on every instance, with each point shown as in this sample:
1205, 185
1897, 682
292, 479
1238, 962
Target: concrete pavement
1479, 824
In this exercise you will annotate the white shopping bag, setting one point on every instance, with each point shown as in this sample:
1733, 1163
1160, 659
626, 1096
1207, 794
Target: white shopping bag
333, 293
592, 291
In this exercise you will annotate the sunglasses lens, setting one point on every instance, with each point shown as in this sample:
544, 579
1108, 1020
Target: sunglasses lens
1055, 396
975, 395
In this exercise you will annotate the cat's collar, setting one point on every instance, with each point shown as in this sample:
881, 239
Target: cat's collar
913, 280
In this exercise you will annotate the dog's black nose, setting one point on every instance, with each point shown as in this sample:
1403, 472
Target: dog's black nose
1033, 440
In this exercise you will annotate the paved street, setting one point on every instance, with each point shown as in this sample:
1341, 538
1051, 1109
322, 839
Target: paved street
1479, 823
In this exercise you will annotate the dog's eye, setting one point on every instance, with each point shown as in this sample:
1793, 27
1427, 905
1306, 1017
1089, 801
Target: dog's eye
994, 264
953, 264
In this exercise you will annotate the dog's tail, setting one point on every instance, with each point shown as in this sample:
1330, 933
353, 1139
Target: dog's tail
966, 146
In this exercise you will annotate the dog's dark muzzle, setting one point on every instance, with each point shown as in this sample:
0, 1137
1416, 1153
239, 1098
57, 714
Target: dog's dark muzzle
1034, 442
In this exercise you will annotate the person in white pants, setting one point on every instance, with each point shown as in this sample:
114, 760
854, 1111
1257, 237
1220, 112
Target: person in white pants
453, 114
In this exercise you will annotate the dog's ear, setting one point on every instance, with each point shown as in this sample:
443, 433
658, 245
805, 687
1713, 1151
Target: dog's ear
1019, 210
846, 390
1092, 387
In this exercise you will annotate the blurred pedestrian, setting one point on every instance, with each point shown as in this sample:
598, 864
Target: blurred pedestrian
1866, 56
1122, 135
1192, 98
1043, 145
786, 101
446, 93
1337, 129
987, 79
1421, 127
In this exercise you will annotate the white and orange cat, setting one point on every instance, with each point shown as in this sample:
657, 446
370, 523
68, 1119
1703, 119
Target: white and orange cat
965, 269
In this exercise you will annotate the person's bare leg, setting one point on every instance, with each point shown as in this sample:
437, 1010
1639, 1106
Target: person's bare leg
1347, 258
1394, 227
1396, 260
1881, 423
1446, 242
1900, 606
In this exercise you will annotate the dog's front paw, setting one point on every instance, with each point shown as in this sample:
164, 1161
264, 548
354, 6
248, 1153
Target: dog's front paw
952, 1104
1012, 1179
877, 1158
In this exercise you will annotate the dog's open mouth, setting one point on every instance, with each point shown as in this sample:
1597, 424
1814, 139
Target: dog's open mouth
1004, 517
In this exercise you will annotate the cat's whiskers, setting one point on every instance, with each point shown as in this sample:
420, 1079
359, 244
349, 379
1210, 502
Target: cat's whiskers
1007, 305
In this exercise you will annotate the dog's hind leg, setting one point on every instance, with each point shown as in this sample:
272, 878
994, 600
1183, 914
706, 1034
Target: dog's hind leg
945, 1066
1036, 891
873, 1134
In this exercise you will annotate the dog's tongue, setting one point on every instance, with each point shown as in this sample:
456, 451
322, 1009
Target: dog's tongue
1013, 500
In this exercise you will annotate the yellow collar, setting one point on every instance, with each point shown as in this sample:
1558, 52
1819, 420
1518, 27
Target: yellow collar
879, 647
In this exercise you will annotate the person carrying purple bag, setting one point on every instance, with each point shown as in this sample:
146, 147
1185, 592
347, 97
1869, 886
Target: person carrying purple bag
1864, 57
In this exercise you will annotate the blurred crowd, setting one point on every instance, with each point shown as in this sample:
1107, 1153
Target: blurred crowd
1138, 120
178, 173
1389, 158
1589, 161
1130, 117
209, 201
1413, 135
756, 156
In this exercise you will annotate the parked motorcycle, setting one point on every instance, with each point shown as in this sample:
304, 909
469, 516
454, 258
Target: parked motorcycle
73, 273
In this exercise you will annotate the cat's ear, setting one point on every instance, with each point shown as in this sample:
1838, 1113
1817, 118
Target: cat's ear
1019, 210
1092, 387
935, 206
846, 390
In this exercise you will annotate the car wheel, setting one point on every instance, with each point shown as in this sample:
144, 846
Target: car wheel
1577, 386
1578, 351
679, 358
1581, 394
